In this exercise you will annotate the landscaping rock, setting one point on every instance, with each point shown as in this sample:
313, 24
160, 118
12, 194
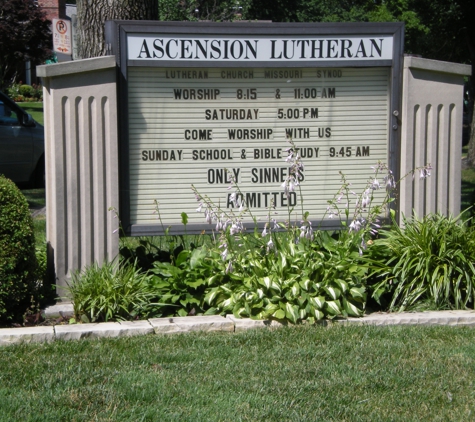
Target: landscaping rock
135, 328
242, 324
102, 330
417, 318
65, 310
164, 326
40, 334
26, 335
193, 323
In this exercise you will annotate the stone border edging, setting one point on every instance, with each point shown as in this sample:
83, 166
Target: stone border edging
41, 334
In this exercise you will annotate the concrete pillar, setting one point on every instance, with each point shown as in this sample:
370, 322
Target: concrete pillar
431, 123
81, 152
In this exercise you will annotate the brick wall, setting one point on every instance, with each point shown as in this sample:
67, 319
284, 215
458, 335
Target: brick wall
54, 8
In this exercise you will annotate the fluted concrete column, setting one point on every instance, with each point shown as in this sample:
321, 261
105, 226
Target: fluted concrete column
81, 152
431, 122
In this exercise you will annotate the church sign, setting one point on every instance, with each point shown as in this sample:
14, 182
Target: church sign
215, 105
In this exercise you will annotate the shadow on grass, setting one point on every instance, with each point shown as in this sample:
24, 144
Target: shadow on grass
35, 197
32, 108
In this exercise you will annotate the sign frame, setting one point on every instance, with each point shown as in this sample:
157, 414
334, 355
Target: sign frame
118, 34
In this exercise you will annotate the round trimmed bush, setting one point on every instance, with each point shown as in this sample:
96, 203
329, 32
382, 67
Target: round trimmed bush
26, 90
17, 253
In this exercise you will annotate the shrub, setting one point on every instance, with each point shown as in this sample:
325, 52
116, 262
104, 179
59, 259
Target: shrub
182, 284
17, 253
428, 261
45, 289
37, 92
112, 291
13, 90
25, 93
288, 271
26, 90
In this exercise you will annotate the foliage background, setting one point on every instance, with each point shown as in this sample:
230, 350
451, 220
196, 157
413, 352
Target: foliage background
24, 35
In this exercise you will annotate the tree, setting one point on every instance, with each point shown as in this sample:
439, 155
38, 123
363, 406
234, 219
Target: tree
275, 10
24, 35
435, 29
449, 35
92, 14
203, 10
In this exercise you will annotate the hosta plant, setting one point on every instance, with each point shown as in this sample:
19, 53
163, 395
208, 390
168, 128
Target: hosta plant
299, 282
288, 271
182, 284
292, 271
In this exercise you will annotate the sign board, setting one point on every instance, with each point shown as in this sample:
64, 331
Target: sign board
62, 36
208, 105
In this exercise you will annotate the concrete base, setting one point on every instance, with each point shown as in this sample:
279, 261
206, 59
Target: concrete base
243, 324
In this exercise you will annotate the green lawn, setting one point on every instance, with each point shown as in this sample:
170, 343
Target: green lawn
36, 200
35, 109
35, 197
468, 188
290, 374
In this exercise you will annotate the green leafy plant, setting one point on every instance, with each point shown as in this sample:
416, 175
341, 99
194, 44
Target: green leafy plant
306, 281
45, 290
287, 271
26, 90
145, 251
18, 265
113, 291
429, 260
290, 271
184, 282
25, 93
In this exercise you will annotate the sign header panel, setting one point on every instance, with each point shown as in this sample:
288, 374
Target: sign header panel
218, 49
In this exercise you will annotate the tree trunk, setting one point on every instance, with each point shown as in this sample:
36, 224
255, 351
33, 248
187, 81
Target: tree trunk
92, 14
471, 142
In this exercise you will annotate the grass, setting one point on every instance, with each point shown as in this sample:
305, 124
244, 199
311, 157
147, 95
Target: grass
35, 197
298, 373
36, 200
35, 109
289, 374
39, 226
